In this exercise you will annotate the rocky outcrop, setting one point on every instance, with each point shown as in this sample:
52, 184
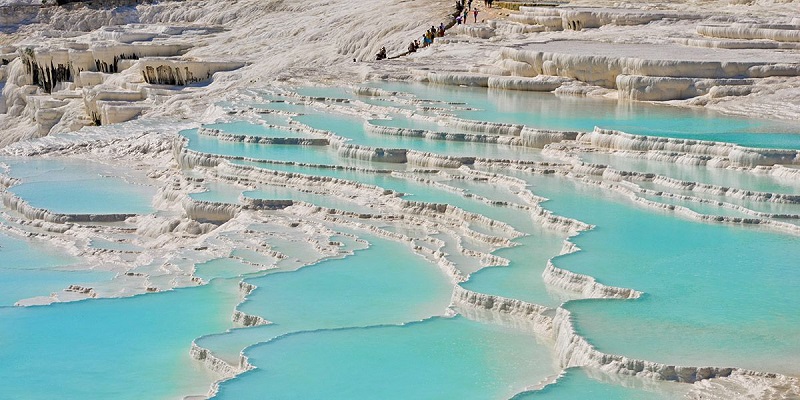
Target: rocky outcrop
541, 83
651, 79
659, 88
539, 138
180, 72
245, 320
586, 285
236, 137
458, 78
373, 154
540, 316
458, 137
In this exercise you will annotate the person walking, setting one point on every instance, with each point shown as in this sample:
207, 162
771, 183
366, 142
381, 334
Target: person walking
475, 14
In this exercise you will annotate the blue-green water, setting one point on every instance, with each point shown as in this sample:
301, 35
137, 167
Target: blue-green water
219, 192
713, 176
714, 295
353, 128
435, 358
275, 119
372, 324
34, 269
383, 284
105, 348
400, 121
522, 278
91, 196
413, 191
545, 110
702, 208
276, 152
68, 186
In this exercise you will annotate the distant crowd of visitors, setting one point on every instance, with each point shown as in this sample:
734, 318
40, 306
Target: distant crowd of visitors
463, 9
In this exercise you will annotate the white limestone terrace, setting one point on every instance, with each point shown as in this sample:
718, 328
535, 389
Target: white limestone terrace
316, 40
89, 65
667, 71
294, 45
663, 52
727, 55
667, 64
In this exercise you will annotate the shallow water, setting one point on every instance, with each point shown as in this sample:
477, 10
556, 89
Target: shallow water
353, 128
759, 206
274, 152
435, 358
105, 347
413, 191
548, 111
728, 289
702, 208
720, 295
383, 284
522, 278
713, 176
219, 193
68, 186
31, 269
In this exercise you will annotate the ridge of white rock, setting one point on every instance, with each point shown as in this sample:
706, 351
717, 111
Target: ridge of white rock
422, 133
21, 206
738, 155
539, 315
216, 364
780, 33
586, 285
245, 138
573, 350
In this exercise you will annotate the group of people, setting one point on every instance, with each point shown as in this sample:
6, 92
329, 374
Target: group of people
464, 8
465, 17
427, 38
